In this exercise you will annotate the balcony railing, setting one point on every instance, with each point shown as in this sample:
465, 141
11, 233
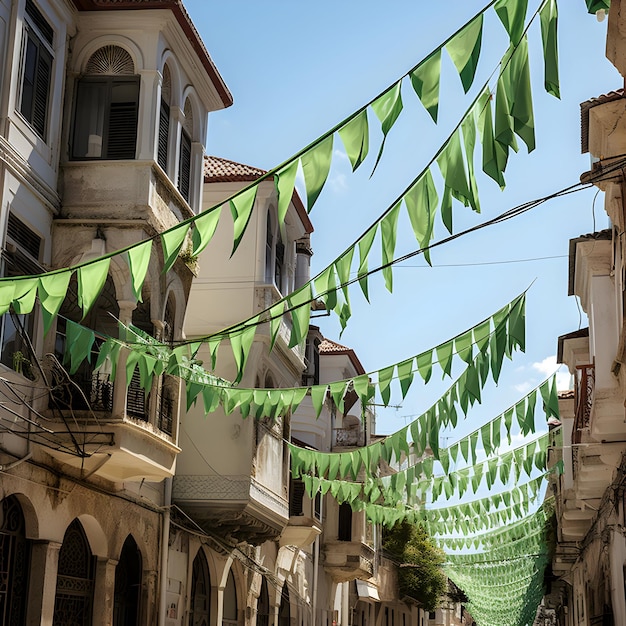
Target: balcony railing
584, 382
91, 390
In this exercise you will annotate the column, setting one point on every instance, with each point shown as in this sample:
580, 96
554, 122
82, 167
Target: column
43, 582
104, 592
149, 103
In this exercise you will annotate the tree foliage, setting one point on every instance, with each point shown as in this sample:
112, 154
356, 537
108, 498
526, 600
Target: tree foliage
420, 573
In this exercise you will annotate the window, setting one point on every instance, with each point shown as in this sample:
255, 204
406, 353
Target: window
274, 255
106, 114
344, 531
164, 120
36, 69
296, 497
279, 262
20, 257
184, 166
184, 156
269, 248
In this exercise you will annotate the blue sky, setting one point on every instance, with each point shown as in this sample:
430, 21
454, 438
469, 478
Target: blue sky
297, 69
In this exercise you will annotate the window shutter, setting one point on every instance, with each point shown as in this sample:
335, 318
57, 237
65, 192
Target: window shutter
296, 498
42, 86
122, 136
184, 166
164, 132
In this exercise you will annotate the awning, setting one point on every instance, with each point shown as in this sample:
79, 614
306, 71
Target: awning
367, 591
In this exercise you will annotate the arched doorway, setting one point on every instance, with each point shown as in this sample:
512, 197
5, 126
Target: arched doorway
127, 585
200, 592
230, 602
14, 562
263, 605
284, 611
75, 579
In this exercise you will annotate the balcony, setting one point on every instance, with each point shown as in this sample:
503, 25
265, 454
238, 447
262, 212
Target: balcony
348, 560
304, 518
116, 191
238, 508
117, 433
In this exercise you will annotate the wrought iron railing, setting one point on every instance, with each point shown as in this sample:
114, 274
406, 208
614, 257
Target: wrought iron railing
584, 382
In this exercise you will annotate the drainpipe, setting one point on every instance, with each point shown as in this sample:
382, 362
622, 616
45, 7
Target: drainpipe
316, 560
165, 537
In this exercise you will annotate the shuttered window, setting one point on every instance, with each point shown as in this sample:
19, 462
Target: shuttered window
164, 134
105, 121
184, 165
296, 498
36, 70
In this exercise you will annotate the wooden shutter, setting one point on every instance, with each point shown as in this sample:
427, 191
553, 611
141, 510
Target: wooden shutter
164, 132
184, 165
42, 87
122, 135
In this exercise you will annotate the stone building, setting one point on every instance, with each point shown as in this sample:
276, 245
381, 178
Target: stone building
103, 117
120, 506
587, 580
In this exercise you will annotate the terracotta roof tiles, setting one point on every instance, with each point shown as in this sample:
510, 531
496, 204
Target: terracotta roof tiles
585, 107
220, 170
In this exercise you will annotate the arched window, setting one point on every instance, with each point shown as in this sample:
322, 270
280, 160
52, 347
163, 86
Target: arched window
279, 263
164, 119
14, 562
127, 585
184, 157
263, 605
75, 576
200, 592
284, 611
274, 255
230, 602
269, 248
107, 106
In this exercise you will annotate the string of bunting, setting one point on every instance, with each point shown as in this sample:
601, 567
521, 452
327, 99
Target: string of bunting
513, 116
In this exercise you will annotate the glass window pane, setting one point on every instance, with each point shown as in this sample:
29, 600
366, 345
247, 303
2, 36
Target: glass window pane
91, 104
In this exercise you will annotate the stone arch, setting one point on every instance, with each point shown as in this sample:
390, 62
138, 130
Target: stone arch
200, 594
128, 581
96, 537
168, 59
83, 56
189, 96
176, 294
31, 520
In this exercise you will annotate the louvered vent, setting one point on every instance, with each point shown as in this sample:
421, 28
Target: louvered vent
122, 130
23, 236
111, 60
37, 18
184, 166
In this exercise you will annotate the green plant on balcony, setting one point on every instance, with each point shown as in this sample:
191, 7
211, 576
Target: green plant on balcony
22, 365
419, 562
